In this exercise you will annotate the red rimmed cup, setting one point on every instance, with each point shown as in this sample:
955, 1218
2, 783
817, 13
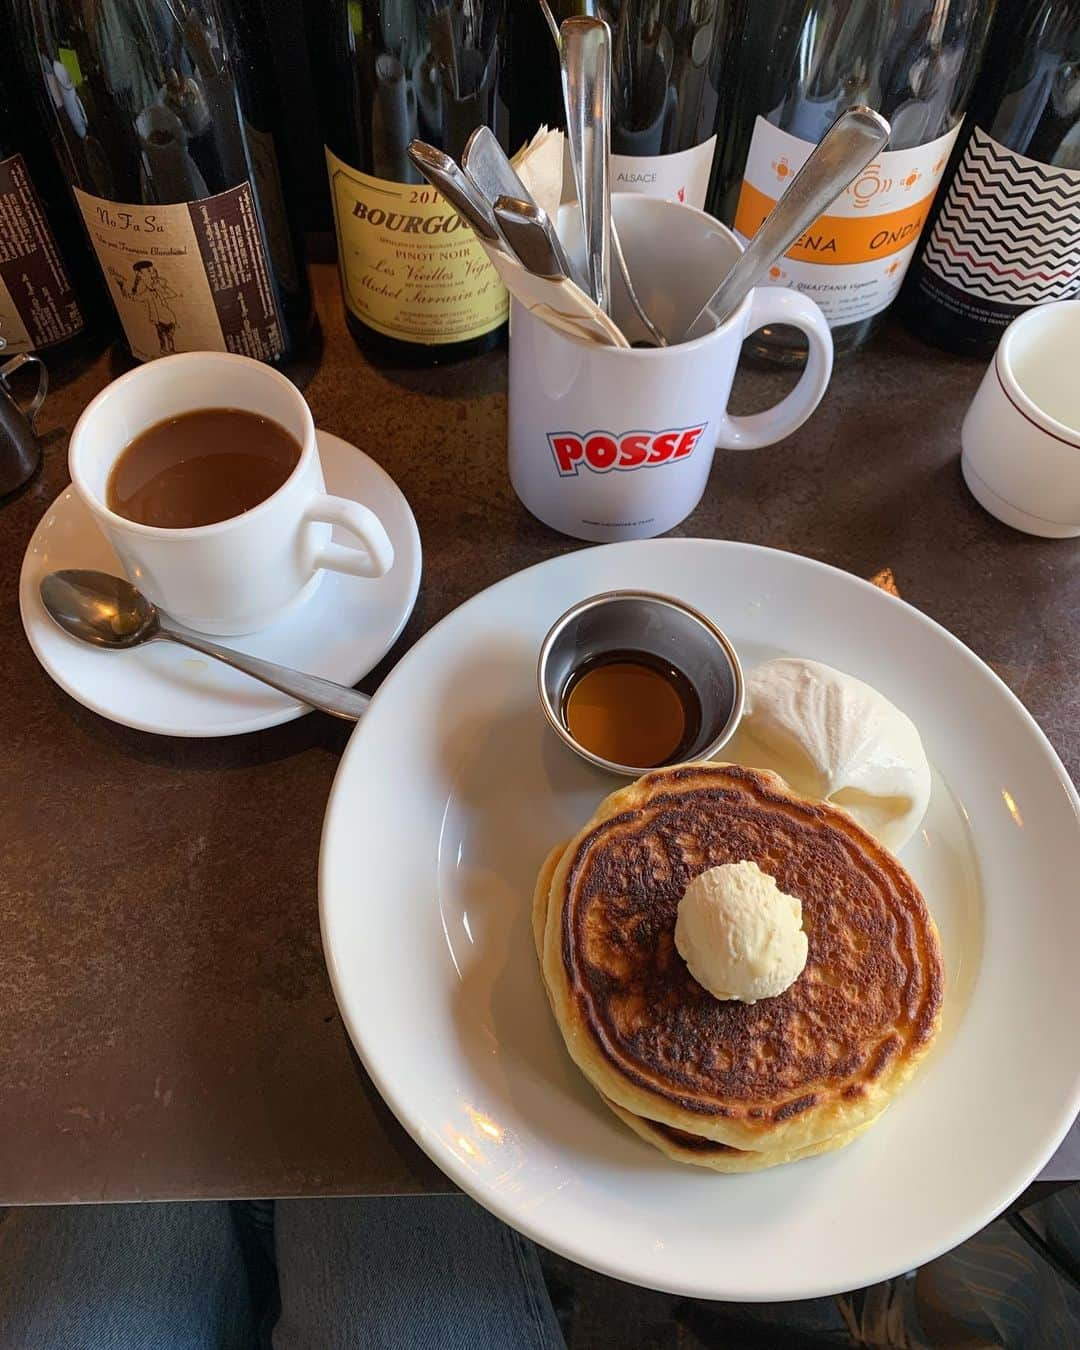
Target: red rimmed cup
1021, 436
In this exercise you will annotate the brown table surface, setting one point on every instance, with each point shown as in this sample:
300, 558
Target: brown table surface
166, 1023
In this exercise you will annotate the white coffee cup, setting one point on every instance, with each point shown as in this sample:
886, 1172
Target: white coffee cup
608, 443
1021, 436
240, 574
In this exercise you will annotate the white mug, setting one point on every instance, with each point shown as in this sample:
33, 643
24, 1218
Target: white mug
1021, 436
607, 443
240, 574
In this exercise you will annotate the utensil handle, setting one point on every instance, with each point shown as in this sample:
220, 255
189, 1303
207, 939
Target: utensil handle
586, 79
635, 300
776, 304
847, 147
526, 228
844, 151
447, 176
316, 692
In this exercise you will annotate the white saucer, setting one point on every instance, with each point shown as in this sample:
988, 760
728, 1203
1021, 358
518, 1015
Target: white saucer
345, 629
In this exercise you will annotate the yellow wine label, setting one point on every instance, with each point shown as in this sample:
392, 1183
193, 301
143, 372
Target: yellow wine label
410, 266
193, 276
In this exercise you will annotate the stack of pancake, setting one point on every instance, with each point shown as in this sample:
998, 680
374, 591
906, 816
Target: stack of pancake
729, 1085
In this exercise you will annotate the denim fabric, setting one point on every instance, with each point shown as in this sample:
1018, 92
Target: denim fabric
436, 1272
122, 1277
407, 1273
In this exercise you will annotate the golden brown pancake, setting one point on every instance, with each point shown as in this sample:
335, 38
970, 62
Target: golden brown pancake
691, 1148
676, 1144
783, 1074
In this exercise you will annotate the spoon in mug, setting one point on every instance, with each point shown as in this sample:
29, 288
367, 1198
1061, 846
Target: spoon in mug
584, 45
843, 152
109, 612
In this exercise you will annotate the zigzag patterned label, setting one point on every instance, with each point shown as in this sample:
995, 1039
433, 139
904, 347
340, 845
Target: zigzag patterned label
1009, 228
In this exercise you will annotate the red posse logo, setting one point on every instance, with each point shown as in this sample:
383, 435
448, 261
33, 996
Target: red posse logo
601, 451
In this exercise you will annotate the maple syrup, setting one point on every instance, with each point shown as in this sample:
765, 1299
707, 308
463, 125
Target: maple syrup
632, 708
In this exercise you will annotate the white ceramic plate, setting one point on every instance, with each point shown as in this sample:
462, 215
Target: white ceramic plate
341, 632
449, 795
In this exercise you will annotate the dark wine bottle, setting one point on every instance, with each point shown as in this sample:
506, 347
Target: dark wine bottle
666, 64
50, 294
287, 30
1005, 234
166, 120
792, 68
532, 64
417, 286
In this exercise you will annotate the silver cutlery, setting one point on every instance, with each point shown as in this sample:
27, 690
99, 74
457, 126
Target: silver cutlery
624, 273
489, 171
599, 54
528, 230
442, 171
843, 152
109, 612
585, 57
488, 165
550, 20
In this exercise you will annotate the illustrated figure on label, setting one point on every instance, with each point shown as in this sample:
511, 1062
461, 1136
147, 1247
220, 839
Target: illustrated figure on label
151, 288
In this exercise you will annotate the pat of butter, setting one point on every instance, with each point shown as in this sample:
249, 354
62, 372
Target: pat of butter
740, 934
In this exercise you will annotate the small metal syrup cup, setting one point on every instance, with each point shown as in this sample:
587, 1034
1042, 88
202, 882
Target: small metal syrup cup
660, 626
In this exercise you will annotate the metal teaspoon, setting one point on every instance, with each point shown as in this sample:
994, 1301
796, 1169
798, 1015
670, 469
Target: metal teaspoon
844, 151
584, 45
585, 53
110, 612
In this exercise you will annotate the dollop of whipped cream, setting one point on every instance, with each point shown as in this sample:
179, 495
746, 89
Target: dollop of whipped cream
740, 934
834, 737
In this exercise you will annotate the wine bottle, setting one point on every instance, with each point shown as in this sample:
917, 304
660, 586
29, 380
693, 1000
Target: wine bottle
49, 295
1006, 232
792, 68
287, 31
166, 121
666, 64
532, 66
417, 287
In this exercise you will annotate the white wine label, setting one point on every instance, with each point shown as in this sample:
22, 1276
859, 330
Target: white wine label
188, 277
853, 259
1008, 231
410, 266
37, 305
680, 177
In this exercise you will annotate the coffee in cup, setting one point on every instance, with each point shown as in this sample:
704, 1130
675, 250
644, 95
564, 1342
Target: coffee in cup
149, 484
201, 467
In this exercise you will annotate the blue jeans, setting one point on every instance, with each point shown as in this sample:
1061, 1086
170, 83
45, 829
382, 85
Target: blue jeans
433, 1272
